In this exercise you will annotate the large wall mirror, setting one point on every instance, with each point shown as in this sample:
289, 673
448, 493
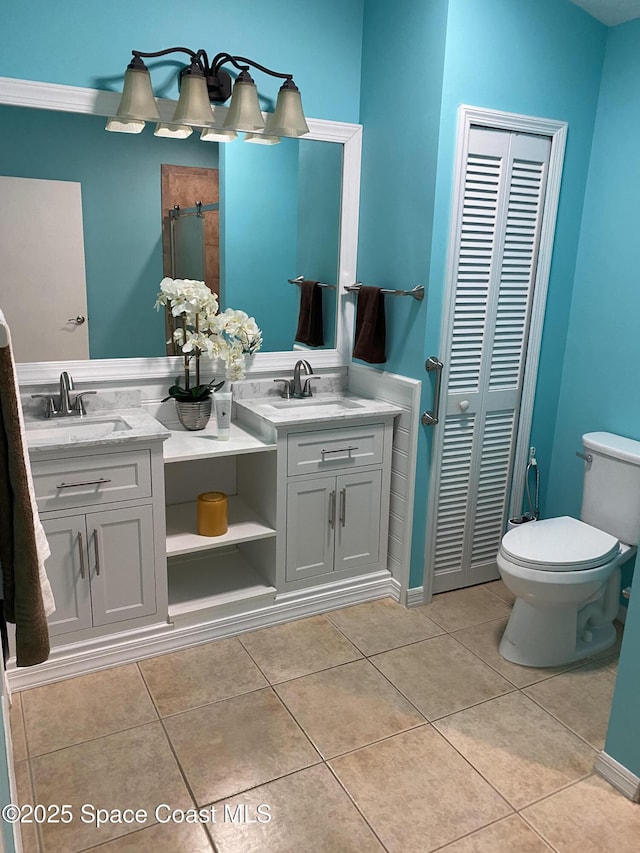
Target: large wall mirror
285, 211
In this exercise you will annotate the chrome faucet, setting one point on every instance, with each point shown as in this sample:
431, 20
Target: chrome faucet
297, 390
66, 385
63, 407
295, 387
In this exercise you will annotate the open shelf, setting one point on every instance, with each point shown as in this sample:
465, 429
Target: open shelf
205, 582
203, 444
245, 525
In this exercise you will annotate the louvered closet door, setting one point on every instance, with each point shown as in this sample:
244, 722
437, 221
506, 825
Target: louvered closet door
497, 244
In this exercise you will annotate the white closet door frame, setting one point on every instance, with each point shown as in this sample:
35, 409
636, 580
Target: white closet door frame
557, 132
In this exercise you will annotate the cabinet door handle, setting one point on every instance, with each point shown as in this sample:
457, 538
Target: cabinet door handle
99, 482
332, 510
343, 507
83, 572
347, 450
97, 551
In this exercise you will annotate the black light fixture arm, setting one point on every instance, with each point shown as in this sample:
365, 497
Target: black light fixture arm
219, 81
221, 58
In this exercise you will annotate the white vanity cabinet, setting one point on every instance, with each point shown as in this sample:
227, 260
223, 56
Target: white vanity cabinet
334, 502
97, 510
333, 524
101, 568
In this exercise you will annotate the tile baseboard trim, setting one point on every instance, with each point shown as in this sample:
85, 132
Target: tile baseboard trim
122, 649
619, 776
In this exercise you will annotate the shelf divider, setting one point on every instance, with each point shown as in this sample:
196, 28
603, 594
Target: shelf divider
245, 525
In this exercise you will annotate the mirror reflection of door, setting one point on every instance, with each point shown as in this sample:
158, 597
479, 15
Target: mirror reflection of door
190, 244
42, 282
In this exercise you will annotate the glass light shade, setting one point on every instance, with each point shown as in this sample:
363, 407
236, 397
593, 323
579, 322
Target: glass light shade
261, 139
173, 131
124, 125
137, 101
193, 105
244, 109
213, 134
288, 118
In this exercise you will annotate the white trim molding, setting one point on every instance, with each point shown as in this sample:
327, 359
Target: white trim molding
468, 117
116, 649
75, 99
619, 776
404, 392
415, 596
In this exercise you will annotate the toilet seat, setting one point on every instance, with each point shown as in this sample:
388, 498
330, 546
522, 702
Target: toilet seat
561, 544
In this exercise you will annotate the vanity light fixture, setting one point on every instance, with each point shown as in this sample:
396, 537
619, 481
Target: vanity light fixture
261, 139
201, 83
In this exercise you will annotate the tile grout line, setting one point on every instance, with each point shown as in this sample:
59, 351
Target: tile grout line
169, 743
355, 804
39, 837
325, 761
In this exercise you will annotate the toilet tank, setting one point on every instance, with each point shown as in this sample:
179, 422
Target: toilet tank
611, 496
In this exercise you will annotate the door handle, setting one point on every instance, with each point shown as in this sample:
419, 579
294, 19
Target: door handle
81, 549
343, 507
97, 551
332, 510
433, 364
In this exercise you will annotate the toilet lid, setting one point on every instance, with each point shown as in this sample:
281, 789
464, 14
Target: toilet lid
559, 544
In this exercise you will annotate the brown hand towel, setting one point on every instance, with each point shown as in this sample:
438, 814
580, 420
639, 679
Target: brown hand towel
310, 318
23, 602
370, 326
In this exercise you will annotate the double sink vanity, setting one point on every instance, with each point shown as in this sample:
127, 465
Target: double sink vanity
308, 482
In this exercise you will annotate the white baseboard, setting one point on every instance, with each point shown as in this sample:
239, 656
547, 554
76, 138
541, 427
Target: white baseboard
115, 650
415, 596
616, 774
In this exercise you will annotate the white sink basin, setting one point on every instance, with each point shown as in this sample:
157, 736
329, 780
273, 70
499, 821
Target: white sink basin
335, 404
72, 430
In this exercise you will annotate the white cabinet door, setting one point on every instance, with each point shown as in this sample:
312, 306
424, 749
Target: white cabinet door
121, 562
311, 512
68, 574
358, 498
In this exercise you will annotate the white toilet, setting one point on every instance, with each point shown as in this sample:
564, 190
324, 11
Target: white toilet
565, 573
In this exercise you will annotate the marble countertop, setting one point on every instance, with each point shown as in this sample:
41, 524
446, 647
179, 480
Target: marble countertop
320, 408
102, 429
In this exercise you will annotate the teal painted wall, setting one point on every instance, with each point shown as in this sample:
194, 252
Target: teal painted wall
255, 214
83, 44
403, 52
538, 57
599, 385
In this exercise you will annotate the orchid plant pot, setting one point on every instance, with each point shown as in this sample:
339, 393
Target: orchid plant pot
194, 414
225, 336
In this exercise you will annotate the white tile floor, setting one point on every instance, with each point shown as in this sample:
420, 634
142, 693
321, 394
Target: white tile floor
370, 728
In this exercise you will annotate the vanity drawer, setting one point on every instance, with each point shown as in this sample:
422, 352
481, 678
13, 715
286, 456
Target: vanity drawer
329, 449
91, 480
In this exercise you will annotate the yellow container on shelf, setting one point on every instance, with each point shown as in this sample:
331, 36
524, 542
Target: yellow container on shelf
212, 514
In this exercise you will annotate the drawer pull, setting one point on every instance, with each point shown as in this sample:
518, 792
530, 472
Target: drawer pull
347, 450
332, 510
343, 507
95, 545
81, 549
99, 482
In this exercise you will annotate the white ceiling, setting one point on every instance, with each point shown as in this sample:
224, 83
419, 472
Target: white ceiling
611, 12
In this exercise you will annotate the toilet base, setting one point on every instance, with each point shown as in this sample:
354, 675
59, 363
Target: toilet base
547, 636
